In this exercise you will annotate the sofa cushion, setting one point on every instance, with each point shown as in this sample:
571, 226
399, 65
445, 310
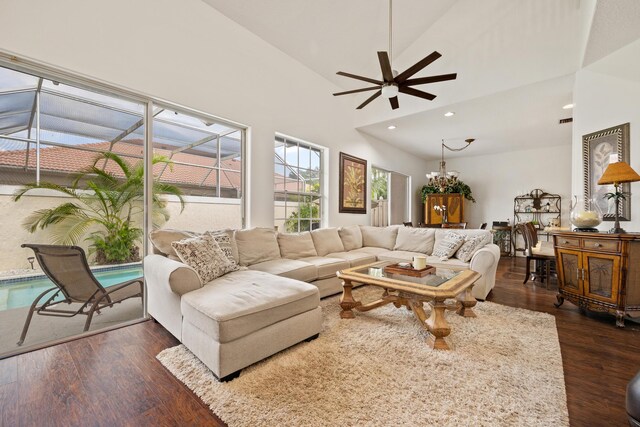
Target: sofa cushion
203, 254
399, 256
327, 267
327, 240
415, 240
257, 245
446, 247
451, 263
355, 258
351, 237
379, 237
291, 268
296, 245
161, 240
471, 245
243, 302
370, 250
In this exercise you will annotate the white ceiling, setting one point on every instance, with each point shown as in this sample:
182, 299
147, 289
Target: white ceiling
514, 60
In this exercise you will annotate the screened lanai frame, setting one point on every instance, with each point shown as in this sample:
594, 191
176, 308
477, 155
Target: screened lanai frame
152, 106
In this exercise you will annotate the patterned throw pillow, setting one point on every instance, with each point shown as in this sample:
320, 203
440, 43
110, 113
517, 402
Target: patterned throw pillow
448, 245
203, 254
470, 246
223, 240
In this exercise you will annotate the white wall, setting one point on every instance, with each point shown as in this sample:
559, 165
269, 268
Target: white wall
603, 101
497, 178
188, 53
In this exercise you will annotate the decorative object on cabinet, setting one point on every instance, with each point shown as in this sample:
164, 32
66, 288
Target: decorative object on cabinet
599, 271
454, 208
598, 148
616, 174
353, 185
502, 237
585, 216
443, 179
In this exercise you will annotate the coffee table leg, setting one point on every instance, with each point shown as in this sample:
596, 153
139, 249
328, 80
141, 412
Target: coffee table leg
347, 303
466, 302
436, 324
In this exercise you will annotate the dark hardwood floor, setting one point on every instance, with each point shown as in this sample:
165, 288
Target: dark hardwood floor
114, 379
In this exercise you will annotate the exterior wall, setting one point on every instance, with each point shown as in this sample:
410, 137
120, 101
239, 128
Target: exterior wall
200, 214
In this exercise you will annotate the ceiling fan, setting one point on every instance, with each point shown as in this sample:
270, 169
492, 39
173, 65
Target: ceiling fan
392, 82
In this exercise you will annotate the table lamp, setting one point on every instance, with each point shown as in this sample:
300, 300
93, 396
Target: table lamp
616, 174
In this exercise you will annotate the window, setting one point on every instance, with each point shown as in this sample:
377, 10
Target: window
298, 188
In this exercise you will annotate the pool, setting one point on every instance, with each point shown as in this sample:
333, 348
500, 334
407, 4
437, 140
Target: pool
16, 293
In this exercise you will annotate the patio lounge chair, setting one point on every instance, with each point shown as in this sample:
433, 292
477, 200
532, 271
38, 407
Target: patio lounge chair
68, 269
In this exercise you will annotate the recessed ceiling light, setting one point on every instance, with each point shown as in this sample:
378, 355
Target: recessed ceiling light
449, 114
568, 106
391, 127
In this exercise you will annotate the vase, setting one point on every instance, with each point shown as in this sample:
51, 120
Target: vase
585, 214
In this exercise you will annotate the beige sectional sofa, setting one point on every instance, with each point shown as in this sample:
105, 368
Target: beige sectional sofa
273, 302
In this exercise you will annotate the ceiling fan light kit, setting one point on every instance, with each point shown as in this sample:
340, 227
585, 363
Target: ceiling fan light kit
393, 83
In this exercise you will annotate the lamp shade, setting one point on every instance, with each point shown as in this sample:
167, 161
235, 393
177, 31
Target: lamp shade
617, 173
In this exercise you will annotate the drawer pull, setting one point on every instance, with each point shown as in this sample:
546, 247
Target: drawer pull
597, 245
566, 242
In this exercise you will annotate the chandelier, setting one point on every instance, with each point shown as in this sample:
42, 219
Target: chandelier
442, 179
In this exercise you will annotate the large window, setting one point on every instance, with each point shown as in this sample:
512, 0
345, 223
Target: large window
73, 170
298, 189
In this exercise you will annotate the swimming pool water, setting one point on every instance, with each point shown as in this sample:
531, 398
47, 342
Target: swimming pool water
22, 294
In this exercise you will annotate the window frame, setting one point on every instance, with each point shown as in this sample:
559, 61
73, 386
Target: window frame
284, 194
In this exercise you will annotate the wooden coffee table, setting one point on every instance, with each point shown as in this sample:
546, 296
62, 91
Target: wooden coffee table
413, 292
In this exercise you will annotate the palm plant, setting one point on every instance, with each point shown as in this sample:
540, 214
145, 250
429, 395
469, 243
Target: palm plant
105, 203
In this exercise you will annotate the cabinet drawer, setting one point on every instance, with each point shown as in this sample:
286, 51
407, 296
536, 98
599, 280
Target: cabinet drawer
569, 242
601, 245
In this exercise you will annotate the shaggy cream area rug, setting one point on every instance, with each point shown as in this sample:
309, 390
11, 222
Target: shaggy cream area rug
505, 369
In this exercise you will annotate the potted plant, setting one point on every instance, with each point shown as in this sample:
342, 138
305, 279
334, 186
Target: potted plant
457, 187
102, 205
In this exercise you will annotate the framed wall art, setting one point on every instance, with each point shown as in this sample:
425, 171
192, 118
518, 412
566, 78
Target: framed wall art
353, 185
598, 150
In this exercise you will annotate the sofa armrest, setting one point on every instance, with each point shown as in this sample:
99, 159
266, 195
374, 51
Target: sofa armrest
171, 275
485, 262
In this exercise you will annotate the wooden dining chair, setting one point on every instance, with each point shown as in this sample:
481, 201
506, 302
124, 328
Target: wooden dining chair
536, 251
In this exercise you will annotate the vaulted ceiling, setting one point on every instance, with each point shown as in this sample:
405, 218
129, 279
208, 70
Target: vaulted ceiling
515, 60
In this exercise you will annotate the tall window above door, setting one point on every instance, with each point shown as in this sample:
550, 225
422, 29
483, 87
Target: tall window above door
298, 187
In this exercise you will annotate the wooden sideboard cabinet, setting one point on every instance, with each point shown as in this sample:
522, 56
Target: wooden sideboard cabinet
599, 272
455, 208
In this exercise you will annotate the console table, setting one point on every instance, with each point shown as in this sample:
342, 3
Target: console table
599, 271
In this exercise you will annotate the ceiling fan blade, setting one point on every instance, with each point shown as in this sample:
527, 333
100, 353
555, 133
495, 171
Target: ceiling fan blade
356, 90
394, 102
402, 77
432, 79
385, 66
374, 96
364, 79
416, 92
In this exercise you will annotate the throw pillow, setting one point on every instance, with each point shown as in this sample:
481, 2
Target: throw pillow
351, 237
161, 240
448, 246
471, 245
223, 240
296, 245
204, 255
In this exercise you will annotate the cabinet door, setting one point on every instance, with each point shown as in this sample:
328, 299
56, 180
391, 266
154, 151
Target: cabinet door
569, 274
434, 216
455, 207
602, 276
